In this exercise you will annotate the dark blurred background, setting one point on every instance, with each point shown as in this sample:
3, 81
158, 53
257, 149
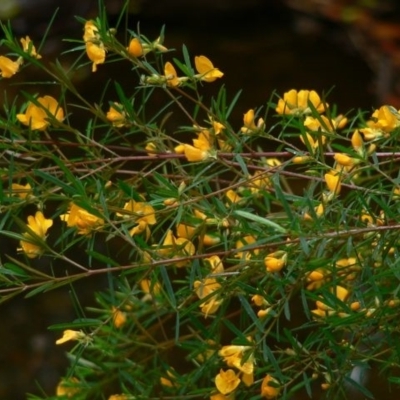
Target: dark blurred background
351, 47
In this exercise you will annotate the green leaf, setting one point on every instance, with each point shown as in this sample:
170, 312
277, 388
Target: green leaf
168, 286
77, 324
68, 189
103, 258
13, 270
260, 220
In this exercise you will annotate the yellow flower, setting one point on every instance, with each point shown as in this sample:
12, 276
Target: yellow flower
324, 124
396, 193
119, 318
82, 220
248, 121
94, 47
244, 242
319, 211
118, 397
149, 289
249, 124
38, 117
316, 279
8, 67
232, 196
142, 213
259, 300
301, 159
296, 103
22, 191
332, 180
206, 288
344, 160
259, 181
324, 309
70, 334
264, 312
382, 123
216, 264
173, 247
135, 48
171, 380
194, 154
28, 47
216, 126
357, 141
151, 149
96, 54
313, 143
39, 225
227, 381
116, 115
274, 262
90, 31
171, 75
206, 69
268, 391
348, 268
248, 379
204, 141
210, 239
233, 356
68, 387
384, 119
185, 231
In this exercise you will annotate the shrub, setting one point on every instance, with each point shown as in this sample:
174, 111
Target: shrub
241, 262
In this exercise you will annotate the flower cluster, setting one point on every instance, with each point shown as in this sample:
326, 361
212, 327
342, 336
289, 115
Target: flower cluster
8, 67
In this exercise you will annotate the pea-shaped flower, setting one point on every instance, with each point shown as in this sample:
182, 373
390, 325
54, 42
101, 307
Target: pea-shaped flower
38, 115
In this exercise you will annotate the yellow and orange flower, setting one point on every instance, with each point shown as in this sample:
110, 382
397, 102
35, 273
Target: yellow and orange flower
22, 191
28, 47
274, 262
268, 391
135, 48
94, 46
297, 102
39, 225
382, 123
325, 124
118, 317
68, 388
332, 180
205, 68
70, 334
84, 221
206, 288
118, 397
244, 242
116, 115
143, 215
8, 67
249, 125
173, 247
233, 356
39, 115
171, 75
227, 381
